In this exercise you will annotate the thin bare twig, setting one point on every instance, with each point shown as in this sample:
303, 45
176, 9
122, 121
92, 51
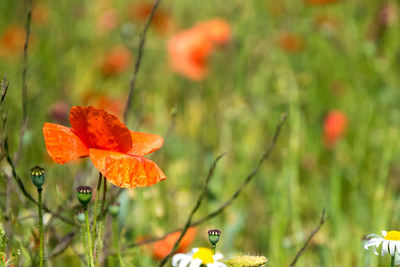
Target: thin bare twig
142, 41
219, 210
312, 234
195, 208
24, 121
26, 193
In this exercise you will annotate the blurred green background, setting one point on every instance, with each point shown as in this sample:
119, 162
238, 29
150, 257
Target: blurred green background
283, 55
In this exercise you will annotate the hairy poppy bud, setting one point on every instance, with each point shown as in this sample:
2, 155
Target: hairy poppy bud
37, 176
84, 195
248, 261
213, 236
114, 209
80, 217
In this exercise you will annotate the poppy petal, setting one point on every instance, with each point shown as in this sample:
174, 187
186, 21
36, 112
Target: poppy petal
124, 170
100, 129
145, 143
62, 144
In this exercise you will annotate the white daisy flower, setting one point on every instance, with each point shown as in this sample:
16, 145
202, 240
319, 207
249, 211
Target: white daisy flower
197, 257
389, 243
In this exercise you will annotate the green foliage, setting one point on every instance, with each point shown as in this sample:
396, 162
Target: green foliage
251, 81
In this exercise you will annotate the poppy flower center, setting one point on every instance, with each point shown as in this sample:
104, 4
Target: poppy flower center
205, 255
393, 235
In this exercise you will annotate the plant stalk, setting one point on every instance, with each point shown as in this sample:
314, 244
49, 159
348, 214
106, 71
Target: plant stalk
89, 238
41, 249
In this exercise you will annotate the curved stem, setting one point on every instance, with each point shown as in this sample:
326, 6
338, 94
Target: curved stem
392, 262
89, 238
95, 207
115, 241
98, 237
41, 249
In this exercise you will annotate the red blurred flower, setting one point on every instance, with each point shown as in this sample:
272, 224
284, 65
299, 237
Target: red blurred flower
326, 24
101, 100
113, 149
190, 49
335, 124
107, 21
320, 2
217, 30
40, 14
290, 42
12, 41
163, 247
116, 61
162, 21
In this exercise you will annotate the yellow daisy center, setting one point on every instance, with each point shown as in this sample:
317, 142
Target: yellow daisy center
393, 235
205, 255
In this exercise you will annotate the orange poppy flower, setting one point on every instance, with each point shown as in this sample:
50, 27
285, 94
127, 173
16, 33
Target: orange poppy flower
113, 149
290, 42
104, 101
162, 21
40, 14
117, 61
107, 21
320, 2
217, 30
335, 125
189, 51
12, 41
163, 247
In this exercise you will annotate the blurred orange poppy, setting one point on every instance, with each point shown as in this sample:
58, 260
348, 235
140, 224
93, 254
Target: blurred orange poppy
113, 149
163, 247
107, 21
335, 124
161, 21
190, 49
116, 61
40, 14
12, 41
101, 100
290, 42
320, 2
217, 30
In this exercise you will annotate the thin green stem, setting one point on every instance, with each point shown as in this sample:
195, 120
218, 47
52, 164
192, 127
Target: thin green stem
115, 241
84, 242
213, 249
89, 238
41, 249
95, 207
392, 262
101, 219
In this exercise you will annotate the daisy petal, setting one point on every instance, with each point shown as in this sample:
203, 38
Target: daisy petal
176, 258
62, 144
385, 245
392, 248
196, 263
218, 256
145, 143
100, 129
125, 170
185, 261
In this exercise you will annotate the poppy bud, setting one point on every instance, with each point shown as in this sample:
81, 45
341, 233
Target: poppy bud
80, 217
37, 176
84, 195
247, 261
213, 236
114, 210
